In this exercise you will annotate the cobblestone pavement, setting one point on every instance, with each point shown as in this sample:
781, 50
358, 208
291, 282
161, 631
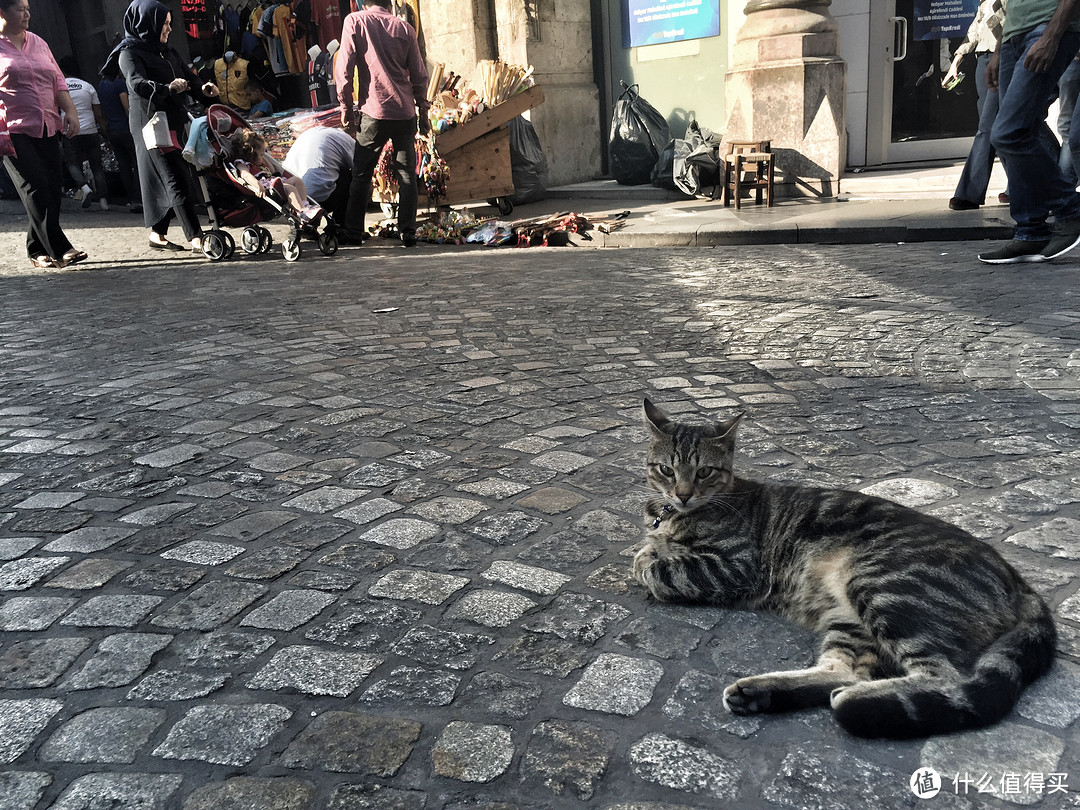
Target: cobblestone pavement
355, 532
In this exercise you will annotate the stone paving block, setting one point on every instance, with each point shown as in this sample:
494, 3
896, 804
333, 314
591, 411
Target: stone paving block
288, 610
254, 525
1054, 699
315, 671
472, 752
1054, 537
545, 655
369, 511
112, 735
253, 793
449, 510
678, 765
577, 617
526, 577
658, 638
24, 613
21, 721
37, 663
616, 684
156, 515
821, 777
376, 797
562, 461
490, 608
325, 499
50, 500
913, 492
21, 790
496, 488
507, 528
203, 552
209, 606
174, 685
19, 575
400, 533
223, 735
146, 791
170, 456
88, 574
428, 587
696, 700
358, 557
226, 649
112, 611
267, 563
501, 695
118, 660
348, 742
14, 547
413, 686
552, 500
166, 576
567, 757
365, 625
433, 645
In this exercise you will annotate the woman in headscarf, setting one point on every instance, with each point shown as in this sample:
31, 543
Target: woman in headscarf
33, 91
158, 80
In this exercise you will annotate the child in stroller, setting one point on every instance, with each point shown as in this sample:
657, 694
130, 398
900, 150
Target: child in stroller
263, 178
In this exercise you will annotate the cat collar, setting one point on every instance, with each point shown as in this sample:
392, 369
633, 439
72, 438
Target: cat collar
667, 509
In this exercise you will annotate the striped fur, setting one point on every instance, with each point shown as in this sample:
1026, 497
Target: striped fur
925, 629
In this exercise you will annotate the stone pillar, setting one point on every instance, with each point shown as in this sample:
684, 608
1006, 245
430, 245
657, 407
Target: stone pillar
787, 84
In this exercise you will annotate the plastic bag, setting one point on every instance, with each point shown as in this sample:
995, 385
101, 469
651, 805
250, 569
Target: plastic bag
663, 173
697, 160
638, 135
528, 164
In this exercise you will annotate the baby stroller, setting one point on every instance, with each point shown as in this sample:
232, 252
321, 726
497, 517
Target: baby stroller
230, 203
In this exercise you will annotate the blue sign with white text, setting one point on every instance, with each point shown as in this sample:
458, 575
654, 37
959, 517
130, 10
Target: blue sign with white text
942, 19
650, 22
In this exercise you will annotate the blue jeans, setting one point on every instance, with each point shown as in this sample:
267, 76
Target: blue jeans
1068, 89
1037, 188
980, 160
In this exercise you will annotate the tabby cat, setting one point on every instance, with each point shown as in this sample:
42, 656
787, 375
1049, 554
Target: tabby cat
925, 629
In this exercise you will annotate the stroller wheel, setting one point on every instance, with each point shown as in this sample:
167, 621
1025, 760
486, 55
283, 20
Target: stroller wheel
251, 240
504, 204
328, 243
290, 249
230, 244
266, 241
215, 247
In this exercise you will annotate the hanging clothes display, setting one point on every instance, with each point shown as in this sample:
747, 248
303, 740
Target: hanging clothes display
326, 17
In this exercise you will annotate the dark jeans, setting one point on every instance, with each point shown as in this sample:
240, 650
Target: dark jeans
123, 147
37, 172
337, 201
1021, 137
88, 148
370, 140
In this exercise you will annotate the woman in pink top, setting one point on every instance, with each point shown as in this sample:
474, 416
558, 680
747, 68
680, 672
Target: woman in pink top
33, 91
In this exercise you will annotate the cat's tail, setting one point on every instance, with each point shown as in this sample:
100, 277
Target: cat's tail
922, 704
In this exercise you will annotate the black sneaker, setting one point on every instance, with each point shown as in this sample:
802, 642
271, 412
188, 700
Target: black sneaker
1066, 236
408, 238
1015, 252
960, 204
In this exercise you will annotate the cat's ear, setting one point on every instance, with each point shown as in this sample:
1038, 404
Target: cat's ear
655, 418
726, 430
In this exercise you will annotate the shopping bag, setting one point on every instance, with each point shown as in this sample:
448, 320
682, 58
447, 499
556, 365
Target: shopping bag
7, 148
156, 133
638, 135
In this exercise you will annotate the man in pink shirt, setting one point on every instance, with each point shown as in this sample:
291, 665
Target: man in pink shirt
381, 50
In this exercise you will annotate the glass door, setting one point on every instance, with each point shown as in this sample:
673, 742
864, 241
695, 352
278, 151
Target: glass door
911, 117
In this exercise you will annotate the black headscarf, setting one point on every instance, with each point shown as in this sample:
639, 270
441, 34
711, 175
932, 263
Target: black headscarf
143, 22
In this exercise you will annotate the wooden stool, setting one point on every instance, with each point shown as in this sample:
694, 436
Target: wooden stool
748, 165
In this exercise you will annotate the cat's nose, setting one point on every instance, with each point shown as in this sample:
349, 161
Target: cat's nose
685, 498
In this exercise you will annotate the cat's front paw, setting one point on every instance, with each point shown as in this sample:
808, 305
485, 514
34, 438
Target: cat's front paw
643, 560
742, 697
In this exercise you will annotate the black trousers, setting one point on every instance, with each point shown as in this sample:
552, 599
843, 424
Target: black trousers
370, 140
37, 172
123, 147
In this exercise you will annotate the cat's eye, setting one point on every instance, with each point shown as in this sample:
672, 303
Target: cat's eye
665, 470
707, 473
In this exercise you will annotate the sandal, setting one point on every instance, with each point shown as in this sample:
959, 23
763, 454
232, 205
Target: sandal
74, 256
43, 262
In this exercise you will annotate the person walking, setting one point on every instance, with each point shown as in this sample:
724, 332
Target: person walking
1039, 39
381, 51
158, 80
33, 92
114, 107
982, 38
86, 146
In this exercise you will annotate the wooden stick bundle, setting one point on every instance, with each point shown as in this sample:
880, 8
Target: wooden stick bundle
501, 80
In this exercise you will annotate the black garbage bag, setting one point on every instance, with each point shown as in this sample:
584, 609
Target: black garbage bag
663, 173
528, 164
697, 160
638, 135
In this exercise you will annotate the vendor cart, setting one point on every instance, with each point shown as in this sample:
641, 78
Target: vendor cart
478, 153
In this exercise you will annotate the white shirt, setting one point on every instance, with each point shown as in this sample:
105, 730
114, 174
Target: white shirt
317, 156
86, 98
